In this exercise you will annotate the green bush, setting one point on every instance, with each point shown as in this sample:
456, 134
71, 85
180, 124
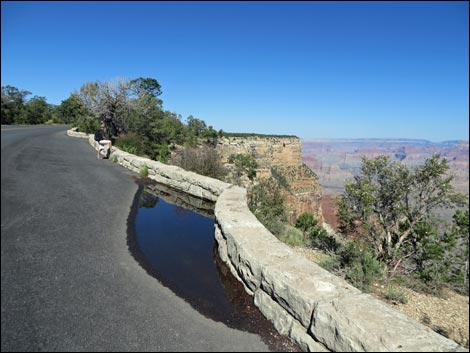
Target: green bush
331, 263
281, 179
244, 164
144, 172
320, 239
395, 295
266, 201
361, 266
131, 143
292, 236
88, 125
160, 152
305, 222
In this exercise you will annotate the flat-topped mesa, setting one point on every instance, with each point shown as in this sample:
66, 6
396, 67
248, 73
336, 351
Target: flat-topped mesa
283, 154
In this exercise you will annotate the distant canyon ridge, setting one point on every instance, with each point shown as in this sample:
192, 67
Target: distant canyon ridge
337, 160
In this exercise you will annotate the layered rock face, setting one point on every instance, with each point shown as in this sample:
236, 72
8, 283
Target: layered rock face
284, 155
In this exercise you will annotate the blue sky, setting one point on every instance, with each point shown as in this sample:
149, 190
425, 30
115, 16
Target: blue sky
311, 69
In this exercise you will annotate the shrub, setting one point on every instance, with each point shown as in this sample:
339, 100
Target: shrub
331, 263
320, 239
281, 179
87, 125
131, 143
244, 164
202, 160
160, 152
144, 172
362, 268
292, 236
395, 295
266, 201
305, 222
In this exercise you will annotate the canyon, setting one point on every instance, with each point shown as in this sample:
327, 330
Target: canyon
337, 160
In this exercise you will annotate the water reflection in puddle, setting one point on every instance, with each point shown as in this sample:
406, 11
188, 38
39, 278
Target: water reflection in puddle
173, 240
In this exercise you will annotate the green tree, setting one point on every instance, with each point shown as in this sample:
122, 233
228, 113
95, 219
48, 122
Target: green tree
196, 127
266, 201
245, 164
36, 111
428, 255
12, 104
71, 109
459, 236
387, 201
145, 86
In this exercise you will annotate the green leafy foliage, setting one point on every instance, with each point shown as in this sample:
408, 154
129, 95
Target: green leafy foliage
144, 171
131, 143
305, 222
395, 295
36, 111
429, 251
320, 239
387, 201
13, 104
458, 240
390, 206
245, 164
266, 201
292, 236
16, 109
281, 179
87, 124
71, 110
361, 266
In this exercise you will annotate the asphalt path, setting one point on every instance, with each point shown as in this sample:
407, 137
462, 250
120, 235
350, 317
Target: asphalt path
68, 280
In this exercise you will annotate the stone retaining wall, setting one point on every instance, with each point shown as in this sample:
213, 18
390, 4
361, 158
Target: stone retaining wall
317, 310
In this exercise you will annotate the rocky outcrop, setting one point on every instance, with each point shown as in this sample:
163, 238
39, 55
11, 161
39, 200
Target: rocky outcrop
284, 155
305, 194
319, 311
269, 151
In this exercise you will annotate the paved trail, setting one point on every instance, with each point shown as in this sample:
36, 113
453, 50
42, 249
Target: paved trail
69, 282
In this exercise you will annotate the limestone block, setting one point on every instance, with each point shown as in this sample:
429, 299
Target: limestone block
298, 285
285, 324
361, 323
250, 246
222, 247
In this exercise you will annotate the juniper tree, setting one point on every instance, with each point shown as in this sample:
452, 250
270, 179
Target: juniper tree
388, 202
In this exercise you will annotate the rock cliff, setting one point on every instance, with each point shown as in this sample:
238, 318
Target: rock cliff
283, 154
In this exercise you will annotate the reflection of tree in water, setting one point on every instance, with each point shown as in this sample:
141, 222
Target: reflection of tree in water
148, 200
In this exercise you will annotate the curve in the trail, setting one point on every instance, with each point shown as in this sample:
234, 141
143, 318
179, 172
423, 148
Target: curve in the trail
68, 281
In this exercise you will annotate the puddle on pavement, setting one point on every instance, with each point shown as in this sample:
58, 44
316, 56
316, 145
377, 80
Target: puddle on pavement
171, 235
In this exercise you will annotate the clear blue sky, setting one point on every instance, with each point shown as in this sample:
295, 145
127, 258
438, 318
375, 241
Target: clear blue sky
311, 69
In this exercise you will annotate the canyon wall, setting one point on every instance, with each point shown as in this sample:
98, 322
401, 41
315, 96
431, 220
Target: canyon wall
283, 154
